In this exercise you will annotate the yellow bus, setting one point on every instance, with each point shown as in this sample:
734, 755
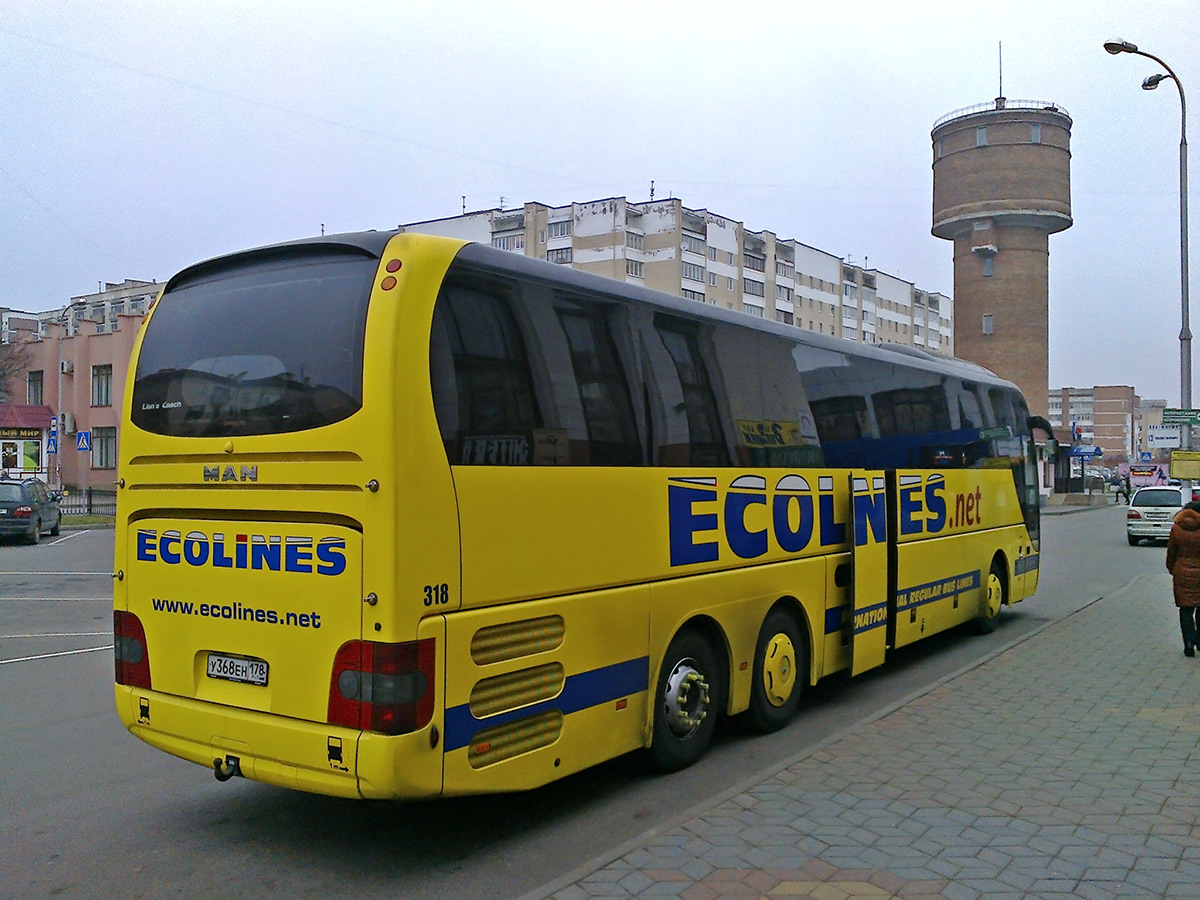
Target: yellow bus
402, 516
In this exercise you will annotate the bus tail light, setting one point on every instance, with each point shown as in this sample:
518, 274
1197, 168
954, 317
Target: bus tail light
129, 650
387, 688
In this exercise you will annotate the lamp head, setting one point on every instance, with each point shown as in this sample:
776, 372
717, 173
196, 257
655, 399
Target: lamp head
1154, 81
1115, 47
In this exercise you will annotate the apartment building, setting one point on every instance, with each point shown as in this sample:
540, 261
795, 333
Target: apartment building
710, 258
75, 362
1108, 416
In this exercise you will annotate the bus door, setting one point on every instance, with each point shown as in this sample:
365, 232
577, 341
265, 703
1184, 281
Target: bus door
869, 571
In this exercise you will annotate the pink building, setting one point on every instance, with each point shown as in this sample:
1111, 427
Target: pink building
80, 378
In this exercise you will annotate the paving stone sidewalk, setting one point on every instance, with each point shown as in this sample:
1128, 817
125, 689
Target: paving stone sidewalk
1067, 766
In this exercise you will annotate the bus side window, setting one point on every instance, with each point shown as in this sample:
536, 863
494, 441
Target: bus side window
494, 412
840, 418
603, 386
706, 442
911, 411
969, 413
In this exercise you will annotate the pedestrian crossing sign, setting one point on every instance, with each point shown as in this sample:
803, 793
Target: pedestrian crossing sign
52, 444
83, 440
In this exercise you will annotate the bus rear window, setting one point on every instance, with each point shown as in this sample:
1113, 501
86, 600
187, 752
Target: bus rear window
260, 348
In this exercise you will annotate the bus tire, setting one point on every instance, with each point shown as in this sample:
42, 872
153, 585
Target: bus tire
686, 702
994, 594
780, 670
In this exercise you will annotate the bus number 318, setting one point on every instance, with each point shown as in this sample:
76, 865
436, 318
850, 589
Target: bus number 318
437, 594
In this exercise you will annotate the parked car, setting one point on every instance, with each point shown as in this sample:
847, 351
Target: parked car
1151, 511
27, 508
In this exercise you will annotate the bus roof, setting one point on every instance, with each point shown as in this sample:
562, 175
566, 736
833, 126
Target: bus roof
373, 243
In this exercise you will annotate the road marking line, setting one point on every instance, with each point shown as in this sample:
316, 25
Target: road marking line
4, 662
43, 574
59, 634
67, 537
107, 599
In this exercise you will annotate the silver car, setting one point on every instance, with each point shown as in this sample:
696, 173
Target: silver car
1151, 512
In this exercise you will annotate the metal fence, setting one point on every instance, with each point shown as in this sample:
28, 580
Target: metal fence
89, 502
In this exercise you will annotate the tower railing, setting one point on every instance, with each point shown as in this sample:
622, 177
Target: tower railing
1000, 104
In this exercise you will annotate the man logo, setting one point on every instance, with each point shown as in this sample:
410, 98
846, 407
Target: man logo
216, 473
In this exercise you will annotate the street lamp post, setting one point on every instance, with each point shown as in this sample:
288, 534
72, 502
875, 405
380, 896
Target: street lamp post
1185, 332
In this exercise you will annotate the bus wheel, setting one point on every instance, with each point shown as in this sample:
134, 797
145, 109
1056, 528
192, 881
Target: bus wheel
686, 703
780, 667
993, 600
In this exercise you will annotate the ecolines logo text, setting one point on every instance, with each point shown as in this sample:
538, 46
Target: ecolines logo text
795, 515
276, 553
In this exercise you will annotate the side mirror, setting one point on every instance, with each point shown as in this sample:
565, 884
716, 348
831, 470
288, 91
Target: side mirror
1051, 449
56, 496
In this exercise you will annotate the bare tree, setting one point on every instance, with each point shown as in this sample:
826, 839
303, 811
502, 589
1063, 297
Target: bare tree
14, 364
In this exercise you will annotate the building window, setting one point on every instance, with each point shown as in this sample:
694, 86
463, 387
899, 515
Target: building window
783, 293
729, 258
559, 229
782, 268
981, 136
753, 311
753, 288
104, 448
101, 385
634, 268
693, 272
989, 266
33, 388
693, 295
635, 241
1035, 133
712, 278
987, 323
509, 242
693, 244
752, 261
562, 256
712, 253
728, 283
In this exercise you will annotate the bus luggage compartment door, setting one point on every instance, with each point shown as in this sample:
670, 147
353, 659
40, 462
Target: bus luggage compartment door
869, 575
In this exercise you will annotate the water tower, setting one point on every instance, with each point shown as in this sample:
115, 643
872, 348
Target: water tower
1001, 187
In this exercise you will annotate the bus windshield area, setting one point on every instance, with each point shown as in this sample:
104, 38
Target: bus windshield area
262, 348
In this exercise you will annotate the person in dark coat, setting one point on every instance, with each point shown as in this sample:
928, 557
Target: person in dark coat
1183, 562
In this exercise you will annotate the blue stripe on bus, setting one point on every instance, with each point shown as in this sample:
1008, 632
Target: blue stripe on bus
582, 691
833, 618
931, 592
1026, 564
870, 617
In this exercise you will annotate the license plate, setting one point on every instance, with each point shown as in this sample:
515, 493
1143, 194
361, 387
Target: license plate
237, 668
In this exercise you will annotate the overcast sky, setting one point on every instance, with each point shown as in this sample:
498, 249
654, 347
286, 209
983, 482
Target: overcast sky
139, 137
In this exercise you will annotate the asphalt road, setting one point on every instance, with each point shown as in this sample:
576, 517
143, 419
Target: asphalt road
90, 812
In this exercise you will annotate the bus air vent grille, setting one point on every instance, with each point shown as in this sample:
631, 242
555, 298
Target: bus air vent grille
516, 689
506, 741
512, 640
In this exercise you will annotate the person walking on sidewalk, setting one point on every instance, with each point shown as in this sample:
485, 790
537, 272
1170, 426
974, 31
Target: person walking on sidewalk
1183, 562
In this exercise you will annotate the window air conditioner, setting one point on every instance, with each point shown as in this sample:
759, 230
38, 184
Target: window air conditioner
68, 422
66, 366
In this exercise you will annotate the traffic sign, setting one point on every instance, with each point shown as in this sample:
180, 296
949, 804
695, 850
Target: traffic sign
1181, 416
83, 440
1145, 456
52, 444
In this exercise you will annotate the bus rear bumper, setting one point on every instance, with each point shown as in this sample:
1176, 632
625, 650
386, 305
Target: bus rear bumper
275, 750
